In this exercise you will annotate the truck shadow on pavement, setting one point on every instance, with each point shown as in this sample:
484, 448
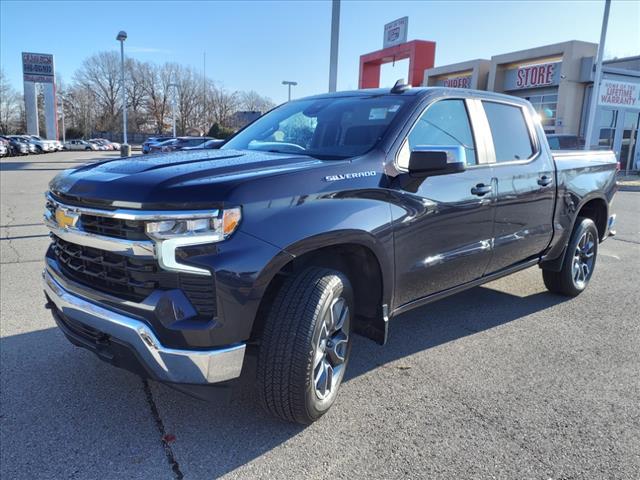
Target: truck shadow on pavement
66, 398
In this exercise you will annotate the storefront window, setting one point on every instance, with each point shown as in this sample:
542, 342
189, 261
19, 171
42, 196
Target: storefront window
546, 106
606, 122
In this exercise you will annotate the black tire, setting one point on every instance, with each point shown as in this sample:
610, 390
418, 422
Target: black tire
290, 368
579, 261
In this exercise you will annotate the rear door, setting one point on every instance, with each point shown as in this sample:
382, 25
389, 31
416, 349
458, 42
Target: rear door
524, 181
443, 224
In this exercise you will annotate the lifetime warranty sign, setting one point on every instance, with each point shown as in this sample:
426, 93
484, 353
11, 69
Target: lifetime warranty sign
619, 94
37, 67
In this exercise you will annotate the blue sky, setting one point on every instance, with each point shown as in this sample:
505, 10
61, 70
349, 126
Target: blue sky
254, 45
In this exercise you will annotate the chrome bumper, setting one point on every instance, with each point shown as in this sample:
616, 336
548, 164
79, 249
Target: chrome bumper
166, 364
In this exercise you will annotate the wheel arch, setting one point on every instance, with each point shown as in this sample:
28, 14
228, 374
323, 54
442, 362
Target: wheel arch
596, 208
354, 253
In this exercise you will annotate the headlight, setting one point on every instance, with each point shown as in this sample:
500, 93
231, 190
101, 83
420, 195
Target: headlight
218, 227
170, 234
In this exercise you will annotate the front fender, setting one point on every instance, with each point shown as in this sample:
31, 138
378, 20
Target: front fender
302, 225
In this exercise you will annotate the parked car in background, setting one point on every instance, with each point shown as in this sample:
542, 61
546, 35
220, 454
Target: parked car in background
107, 143
79, 145
42, 145
100, 142
116, 146
564, 142
209, 144
4, 149
99, 145
16, 147
58, 145
31, 146
146, 146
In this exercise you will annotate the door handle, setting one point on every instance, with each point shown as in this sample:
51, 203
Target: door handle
545, 181
481, 189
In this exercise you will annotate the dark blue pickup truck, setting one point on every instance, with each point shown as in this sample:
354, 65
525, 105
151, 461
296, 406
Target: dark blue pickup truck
324, 218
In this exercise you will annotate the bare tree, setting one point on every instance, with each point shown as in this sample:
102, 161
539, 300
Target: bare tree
188, 97
252, 101
9, 106
222, 104
136, 95
100, 74
156, 80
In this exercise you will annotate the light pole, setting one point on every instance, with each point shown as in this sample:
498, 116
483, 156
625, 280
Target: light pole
125, 151
289, 84
173, 106
333, 56
595, 90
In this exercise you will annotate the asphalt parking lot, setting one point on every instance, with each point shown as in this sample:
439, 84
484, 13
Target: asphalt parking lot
502, 381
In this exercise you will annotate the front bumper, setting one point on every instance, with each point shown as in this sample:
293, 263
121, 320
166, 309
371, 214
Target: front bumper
126, 333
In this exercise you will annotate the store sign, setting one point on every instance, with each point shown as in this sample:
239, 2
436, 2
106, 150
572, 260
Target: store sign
532, 76
395, 32
619, 94
457, 81
37, 67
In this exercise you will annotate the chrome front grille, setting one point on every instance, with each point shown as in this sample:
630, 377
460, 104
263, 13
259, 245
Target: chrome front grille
113, 255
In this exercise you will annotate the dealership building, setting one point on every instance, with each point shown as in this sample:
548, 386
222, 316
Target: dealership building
558, 80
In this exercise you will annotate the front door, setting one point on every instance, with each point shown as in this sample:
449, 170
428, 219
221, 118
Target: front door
443, 225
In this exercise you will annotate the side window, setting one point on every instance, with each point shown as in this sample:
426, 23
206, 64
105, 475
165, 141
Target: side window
509, 130
445, 123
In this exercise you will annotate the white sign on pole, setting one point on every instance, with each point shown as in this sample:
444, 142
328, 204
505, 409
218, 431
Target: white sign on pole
619, 94
37, 67
395, 32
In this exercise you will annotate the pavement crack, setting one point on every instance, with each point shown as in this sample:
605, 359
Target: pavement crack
168, 451
626, 241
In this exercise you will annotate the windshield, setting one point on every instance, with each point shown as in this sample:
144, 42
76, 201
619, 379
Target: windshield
328, 128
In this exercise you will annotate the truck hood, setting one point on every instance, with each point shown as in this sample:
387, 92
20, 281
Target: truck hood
184, 179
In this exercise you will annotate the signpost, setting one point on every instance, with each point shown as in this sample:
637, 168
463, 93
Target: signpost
395, 32
39, 68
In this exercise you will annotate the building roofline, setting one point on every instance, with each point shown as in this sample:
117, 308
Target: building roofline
560, 46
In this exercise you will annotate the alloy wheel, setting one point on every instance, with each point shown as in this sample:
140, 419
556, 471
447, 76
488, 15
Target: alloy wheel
331, 349
583, 259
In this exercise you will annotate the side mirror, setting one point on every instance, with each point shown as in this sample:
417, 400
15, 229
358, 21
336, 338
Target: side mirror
426, 161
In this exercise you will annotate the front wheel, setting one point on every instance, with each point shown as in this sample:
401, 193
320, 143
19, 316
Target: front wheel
579, 261
305, 345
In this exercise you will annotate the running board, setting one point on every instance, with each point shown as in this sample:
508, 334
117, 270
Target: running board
465, 286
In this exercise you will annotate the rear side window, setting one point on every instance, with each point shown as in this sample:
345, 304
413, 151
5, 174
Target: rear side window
509, 130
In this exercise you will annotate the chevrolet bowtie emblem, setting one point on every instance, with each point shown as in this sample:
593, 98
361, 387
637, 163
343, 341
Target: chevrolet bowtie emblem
66, 218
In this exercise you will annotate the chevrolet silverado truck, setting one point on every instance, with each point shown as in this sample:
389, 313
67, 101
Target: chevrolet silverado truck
324, 218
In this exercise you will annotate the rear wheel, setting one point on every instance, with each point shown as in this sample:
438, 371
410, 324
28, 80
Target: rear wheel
305, 345
579, 261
